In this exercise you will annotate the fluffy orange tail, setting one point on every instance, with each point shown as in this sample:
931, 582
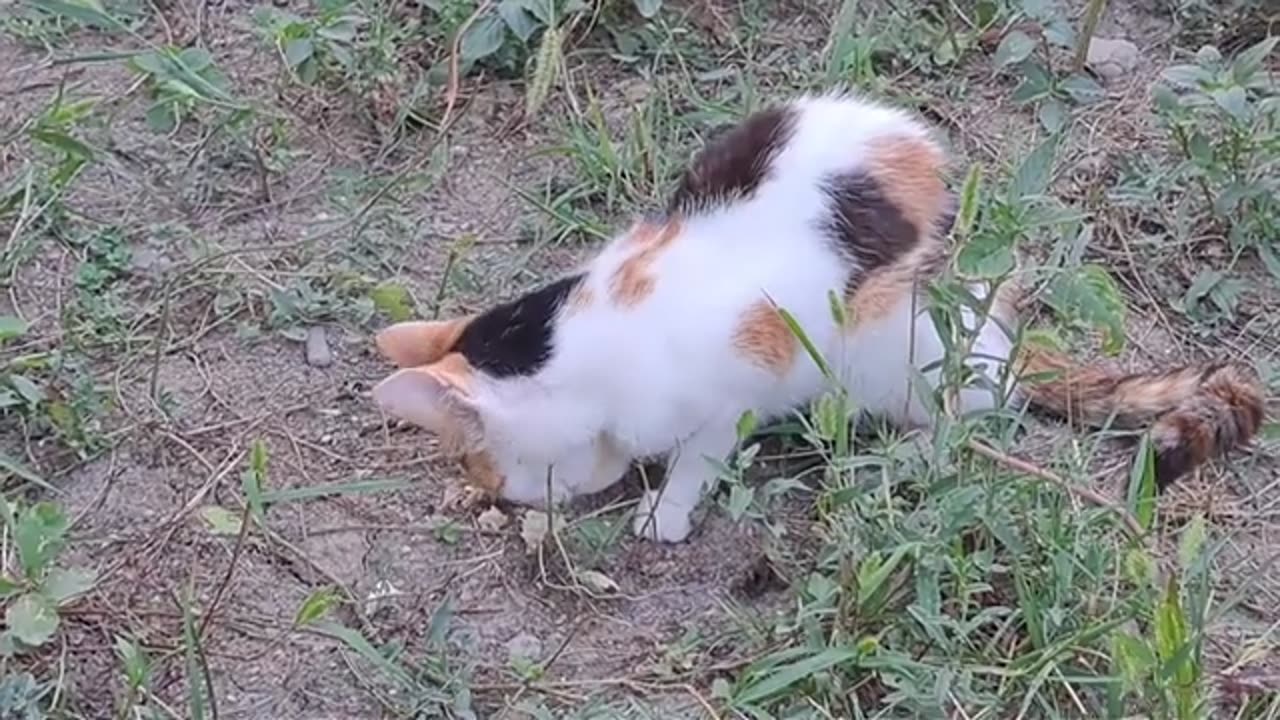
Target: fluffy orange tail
1195, 413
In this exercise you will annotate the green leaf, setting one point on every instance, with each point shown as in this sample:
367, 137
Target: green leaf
393, 301
774, 680
1250, 60
162, 116
1014, 48
1234, 101
483, 38
254, 480
648, 8
9, 466
32, 619
1052, 115
747, 423
9, 587
64, 142
11, 327
987, 255
137, 667
220, 520
1192, 541
1083, 89
518, 20
64, 584
1142, 484
1192, 77
27, 389
298, 51
1091, 296
316, 606
40, 535
88, 12
1036, 83
1033, 175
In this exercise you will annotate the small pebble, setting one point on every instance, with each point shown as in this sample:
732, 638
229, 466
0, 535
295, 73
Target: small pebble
525, 645
1112, 59
318, 352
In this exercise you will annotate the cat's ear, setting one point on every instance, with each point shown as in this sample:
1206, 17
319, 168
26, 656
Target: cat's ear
417, 343
435, 397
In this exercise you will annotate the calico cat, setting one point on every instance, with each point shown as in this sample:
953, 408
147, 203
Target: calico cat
662, 341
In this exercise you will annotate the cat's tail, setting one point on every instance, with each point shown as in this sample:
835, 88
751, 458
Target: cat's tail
1194, 413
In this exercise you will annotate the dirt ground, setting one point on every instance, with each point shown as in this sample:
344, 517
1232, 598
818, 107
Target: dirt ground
418, 556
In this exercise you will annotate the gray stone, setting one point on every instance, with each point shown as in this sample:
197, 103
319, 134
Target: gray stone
318, 352
1112, 59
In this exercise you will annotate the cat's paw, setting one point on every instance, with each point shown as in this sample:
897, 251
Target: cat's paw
658, 519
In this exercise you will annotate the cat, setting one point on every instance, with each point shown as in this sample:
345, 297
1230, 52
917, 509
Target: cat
664, 339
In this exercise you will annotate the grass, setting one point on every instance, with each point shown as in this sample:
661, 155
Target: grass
200, 525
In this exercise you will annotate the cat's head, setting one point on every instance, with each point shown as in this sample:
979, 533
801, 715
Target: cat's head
438, 389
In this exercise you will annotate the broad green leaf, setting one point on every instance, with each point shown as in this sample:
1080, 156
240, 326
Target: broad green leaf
32, 619
1083, 89
648, 8
1014, 48
64, 584
1187, 76
298, 51
1142, 484
11, 327
393, 301
64, 142
483, 38
1090, 296
747, 423
316, 606
1234, 101
1052, 115
40, 535
986, 255
1033, 175
1036, 83
341, 30
518, 20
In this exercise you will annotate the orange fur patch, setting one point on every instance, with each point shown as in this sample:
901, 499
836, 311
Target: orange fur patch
633, 281
410, 344
877, 294
909, 172
763, 336
482, 474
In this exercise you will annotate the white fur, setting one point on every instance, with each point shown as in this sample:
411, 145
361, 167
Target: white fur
663, 377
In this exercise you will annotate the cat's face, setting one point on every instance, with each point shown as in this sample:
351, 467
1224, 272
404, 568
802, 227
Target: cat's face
438, 390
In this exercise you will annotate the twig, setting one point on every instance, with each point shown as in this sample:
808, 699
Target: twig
1082, 493
231, 569
1092, 14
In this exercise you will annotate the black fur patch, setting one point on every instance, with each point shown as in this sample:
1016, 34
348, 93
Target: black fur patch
514, 338
865, 225
734, 164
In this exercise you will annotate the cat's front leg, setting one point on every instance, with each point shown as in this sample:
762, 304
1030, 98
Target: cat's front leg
665, 514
